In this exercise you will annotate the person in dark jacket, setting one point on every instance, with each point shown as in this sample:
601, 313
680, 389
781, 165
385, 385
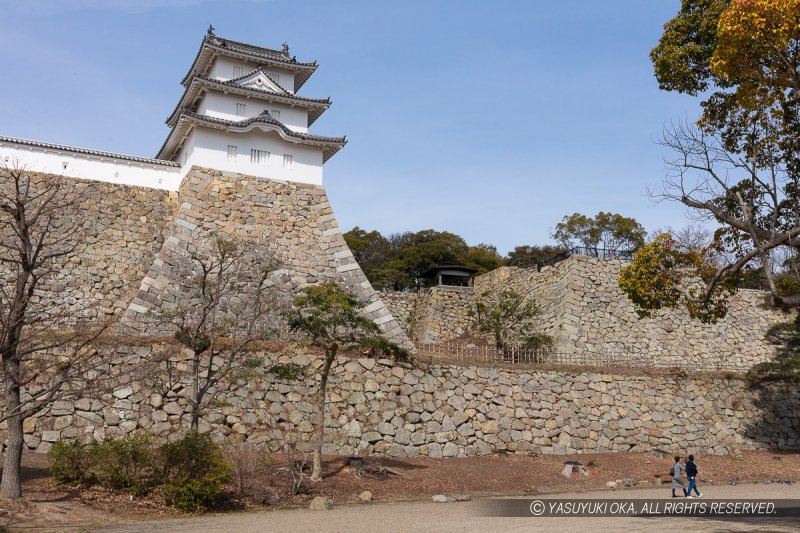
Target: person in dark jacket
691, 474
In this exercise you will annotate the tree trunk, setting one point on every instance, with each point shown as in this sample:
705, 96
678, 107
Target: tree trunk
195, 392
319, 429
11, 487
195, 419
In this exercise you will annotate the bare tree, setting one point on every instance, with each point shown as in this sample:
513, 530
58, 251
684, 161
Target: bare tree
46, 353
749, 193
226, 307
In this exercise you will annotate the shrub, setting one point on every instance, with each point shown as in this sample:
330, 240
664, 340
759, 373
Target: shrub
195, 471
787, 284
70, 462
192, 470
247, 463
127, 463
288, 371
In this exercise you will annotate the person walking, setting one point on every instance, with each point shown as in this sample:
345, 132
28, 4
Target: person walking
676, 472
691, 474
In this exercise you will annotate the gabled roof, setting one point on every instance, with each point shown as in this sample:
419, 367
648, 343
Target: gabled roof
259, 77
271, 93
213, 45
86, 151
188, 118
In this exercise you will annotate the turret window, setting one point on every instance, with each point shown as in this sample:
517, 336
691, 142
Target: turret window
240, 109
232, 150
260, 157
275, 77
287, 161
274, 113
238, 70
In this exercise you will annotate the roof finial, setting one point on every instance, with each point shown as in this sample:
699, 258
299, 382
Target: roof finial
210, 31
285, 49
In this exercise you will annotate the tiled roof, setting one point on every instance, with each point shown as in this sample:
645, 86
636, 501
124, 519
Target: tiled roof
87, 151
267, 119
330, 145
257, 51
188, 99
256, 54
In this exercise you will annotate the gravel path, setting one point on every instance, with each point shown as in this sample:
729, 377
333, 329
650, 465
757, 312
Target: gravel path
461, 516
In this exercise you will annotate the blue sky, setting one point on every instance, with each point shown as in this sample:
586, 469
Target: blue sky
489, 119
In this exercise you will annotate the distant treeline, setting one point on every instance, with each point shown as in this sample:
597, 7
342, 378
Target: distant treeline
399, 261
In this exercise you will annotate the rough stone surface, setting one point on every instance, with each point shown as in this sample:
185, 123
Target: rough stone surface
129, 261
125, 231
453, 411
586, 313
321, 503
296, 223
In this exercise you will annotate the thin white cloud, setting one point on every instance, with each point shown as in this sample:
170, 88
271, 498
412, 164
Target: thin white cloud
56, 7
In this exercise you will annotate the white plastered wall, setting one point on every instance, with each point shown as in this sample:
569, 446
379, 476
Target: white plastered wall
223, 106
209, 148
91, 167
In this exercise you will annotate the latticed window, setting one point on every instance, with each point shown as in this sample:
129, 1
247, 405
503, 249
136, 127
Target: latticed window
238, 70
274, 113
240, 109
287, 161
259, 156
274, 76
232, 151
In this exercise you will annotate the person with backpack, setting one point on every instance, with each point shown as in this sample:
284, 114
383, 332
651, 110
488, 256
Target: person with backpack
691, 473
676, 473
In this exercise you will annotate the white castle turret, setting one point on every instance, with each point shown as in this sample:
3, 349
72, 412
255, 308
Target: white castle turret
240, 113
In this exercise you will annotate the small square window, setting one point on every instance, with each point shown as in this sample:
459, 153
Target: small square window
287, 161
238, 70
260, 157
274, 113
276, 78
232, 151
241, 109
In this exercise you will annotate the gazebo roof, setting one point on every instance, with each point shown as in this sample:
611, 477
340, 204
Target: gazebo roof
455, 270
212, 45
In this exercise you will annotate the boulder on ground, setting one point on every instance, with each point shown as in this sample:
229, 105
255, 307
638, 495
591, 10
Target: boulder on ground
321, 503
365, 496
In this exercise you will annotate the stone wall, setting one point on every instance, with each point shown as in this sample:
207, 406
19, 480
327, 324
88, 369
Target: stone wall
585, 311
129, 259
433, 315
376, 407
599, 317
125, 231
293, 220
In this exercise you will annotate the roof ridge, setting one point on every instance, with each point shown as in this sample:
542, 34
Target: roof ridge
256, 50
248, 45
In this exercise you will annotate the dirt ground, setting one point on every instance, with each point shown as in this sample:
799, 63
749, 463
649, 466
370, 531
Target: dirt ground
48, 505
427, 517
